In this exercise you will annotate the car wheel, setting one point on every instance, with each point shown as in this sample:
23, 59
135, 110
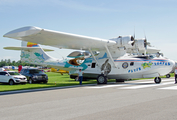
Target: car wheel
11, 82
30, 81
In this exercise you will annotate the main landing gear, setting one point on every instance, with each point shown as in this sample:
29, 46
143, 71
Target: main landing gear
101, 79
106, 69
157, 80
168, 76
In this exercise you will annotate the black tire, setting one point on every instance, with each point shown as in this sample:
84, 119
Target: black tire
11, 82
30, 81
101, 79
157, 80
84, 79
45, 82
120, 80
168, 76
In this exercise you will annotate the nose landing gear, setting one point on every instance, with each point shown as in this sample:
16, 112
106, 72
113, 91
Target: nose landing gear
157, 80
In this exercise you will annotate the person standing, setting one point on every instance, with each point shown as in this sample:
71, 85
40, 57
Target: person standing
80, 76
175, 73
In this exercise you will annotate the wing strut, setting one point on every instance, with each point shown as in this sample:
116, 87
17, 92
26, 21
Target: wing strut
94, 57
110, 56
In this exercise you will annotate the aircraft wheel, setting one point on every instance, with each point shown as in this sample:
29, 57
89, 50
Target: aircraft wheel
168, 76
120, 80
101, 79
157, 80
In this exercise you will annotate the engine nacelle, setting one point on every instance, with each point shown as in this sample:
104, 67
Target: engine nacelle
139, 44
78, 57
124, 41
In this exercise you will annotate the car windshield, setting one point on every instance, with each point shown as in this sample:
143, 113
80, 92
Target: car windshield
35, 71
13, 73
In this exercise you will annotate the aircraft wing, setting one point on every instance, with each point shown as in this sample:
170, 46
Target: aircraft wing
58, 39
26, 48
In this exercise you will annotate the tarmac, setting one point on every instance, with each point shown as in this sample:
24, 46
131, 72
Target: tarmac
135, 100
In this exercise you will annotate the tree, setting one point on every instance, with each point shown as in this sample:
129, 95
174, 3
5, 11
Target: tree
14, 63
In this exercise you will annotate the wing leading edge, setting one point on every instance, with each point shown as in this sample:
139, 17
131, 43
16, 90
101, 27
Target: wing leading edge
58, 39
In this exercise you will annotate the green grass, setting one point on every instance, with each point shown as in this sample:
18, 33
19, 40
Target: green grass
55, 80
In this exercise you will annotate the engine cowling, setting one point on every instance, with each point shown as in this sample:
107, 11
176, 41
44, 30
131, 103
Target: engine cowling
139, 44
124, 41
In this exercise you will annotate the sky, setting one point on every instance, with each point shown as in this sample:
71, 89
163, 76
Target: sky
155, 19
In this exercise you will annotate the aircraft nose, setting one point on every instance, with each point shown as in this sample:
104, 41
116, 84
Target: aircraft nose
173, 65
21, 32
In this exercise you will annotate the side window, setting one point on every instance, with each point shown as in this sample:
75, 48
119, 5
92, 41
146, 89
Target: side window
3, 73
21, 71
132, 63
93, 65
27, 71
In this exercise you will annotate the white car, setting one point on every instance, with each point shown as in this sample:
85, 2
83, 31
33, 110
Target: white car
12, 77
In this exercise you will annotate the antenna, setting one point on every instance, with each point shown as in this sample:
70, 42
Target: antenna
145, 43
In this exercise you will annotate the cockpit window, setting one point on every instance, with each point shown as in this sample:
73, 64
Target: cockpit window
145, 57
151, 56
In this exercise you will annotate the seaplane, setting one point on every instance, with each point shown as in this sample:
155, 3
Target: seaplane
120, 58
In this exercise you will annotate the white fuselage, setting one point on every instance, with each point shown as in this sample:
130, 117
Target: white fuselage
132, 67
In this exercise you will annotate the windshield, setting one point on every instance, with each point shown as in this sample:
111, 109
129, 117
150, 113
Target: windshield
13, 73
35, 71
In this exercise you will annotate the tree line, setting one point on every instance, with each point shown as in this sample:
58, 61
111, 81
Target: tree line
8, 62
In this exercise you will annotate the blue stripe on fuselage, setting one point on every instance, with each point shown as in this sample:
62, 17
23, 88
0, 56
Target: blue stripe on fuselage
140, 60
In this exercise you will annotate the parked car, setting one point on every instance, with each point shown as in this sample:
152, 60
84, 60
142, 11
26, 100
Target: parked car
12, 77
34, 75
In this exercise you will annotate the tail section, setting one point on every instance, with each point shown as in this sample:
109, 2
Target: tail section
33, 53
29, 44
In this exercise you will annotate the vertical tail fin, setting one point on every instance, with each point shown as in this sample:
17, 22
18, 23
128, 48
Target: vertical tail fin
29, 44
33, 53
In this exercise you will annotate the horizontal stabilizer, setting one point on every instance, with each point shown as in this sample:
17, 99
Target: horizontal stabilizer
26, 48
